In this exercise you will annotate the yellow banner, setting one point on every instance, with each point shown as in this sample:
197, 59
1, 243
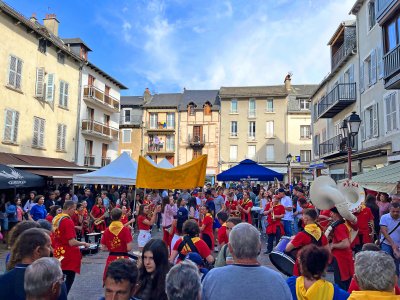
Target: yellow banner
187, 176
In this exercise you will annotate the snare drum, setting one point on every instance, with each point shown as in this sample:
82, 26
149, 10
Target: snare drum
283, 261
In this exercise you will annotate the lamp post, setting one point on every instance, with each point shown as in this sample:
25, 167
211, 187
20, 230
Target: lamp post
349, 129
288, 160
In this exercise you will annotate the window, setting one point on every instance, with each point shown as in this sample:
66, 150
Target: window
252, 108
153, 120
269, 105
316, 144
61, 135
269, 152
170, 143
197, 153
371, 122
370, 69
126, 135
371, 14
391, 113
127, 116
305, 131
191, 109
61, 57
50, 88
64, 86
207, 109
170, 120
39, 86
234, 106
304, 104
38, 132
305, 155
251, 151
336, 129
233, 152
15, 73
11, 126
90, 113
252, 130
234, 128
42, 45
269, 129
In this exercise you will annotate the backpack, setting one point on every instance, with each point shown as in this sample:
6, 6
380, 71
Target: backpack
186, 241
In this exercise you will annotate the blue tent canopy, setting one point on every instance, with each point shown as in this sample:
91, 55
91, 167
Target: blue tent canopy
249, 170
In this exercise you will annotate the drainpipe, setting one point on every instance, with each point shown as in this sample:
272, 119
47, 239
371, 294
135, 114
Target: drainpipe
179, 123
78, 119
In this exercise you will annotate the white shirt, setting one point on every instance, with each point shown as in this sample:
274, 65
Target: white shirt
287, 202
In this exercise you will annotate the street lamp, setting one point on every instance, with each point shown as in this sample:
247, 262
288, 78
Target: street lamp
288, 160
349, 129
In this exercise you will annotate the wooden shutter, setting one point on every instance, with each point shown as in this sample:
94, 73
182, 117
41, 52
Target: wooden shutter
35, 140
39, 87
16, 123
41, 133
380, 61
362, 77
50, 88
66, 88
18, 77
59, 136
61, 97
8, 125
373, 67
375, 121
12, 71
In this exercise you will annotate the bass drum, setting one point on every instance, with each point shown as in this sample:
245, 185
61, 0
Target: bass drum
283, 261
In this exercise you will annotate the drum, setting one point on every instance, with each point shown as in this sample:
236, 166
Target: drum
92, 249
283, 261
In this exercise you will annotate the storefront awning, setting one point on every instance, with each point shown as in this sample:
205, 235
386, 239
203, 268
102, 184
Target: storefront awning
56, 173
383, 180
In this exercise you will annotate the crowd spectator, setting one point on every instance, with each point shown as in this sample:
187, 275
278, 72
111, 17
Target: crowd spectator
38, 211
183, 282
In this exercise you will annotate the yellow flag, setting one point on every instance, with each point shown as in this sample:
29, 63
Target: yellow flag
187, 176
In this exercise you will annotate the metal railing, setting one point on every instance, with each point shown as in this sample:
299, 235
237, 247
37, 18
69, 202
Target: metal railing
197, 139
341, 92
92, 92
330, 146
391, 62
159, 148
159, 126
105, 161
89, 160
99, 129
342, 53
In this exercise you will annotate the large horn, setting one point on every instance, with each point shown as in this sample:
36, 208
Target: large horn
324, 194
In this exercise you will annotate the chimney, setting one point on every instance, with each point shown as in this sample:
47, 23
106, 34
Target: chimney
51, 23
288, 86
146, 95
33, 18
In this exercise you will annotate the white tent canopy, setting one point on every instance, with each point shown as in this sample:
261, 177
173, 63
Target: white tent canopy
165, 164
122, 171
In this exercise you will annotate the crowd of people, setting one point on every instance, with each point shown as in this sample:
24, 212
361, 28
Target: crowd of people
211, 239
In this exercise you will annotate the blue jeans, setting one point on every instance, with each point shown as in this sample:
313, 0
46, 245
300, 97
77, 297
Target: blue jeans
389, 250
287, 226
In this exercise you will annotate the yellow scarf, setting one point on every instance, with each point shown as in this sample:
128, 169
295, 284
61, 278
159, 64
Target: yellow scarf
319, 290
314, 230
57, 220
115, 227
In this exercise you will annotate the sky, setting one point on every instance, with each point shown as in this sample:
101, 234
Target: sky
168, 45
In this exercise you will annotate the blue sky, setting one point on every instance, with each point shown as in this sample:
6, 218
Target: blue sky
167, 45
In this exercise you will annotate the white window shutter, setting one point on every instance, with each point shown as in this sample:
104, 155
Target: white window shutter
16, 122
8, 125
41, 133
373, 66
39, 87
380, 61
375, 130
50, 88
12, 70
362, 127
61, 97
362, 77
35, 140
59, 136
18, 77
64, 135
66, 87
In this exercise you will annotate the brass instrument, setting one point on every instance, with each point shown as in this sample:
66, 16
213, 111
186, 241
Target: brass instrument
150, 213
98, 221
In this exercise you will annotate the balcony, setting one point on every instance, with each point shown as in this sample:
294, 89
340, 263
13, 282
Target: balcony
335, 145
89, 160
159, 149
97, 97
159, 127
391, 62
105, 161
341, 96
197, 141
343, 54
383, 8
99, 130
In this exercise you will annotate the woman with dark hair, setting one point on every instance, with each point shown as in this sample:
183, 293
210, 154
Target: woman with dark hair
145, 220
313, 262
38, 211
153, 271
193, 209
370, 202
13, 211
54, 211
169, 210
206, 226
98, 213
383, 203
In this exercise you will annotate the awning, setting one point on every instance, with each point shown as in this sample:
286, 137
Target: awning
383, 180
56, 173
13, 178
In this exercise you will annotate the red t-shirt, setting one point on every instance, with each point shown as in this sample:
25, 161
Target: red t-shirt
72, 255
49, 218
222, 236
124, 219
344, 257
324, 223
302, 239
141, 225
363, 218
201, 246
247, 217
208, 221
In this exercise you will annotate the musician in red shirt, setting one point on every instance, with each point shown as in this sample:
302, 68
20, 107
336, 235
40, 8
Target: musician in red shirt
245, 206
231, 205
343, 263
65, 245
365, 223
98, 213
117, 239
145, 220
274, 212
81, 222
222, 235
206, 226
312, 234
304, 204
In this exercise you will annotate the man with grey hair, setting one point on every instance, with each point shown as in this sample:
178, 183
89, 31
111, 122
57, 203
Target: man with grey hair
43, 279
183, 282
245, 278
375, 273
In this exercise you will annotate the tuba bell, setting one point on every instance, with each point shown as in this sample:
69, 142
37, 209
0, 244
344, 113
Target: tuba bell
347, 196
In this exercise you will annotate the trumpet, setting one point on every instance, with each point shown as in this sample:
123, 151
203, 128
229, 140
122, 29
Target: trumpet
98, 221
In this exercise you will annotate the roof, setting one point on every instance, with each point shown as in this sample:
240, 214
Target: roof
164, 100
29, 161
356, 7
383, 180
348, 23
131, 100
304, 90
107, 76
199, 98
73, 41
